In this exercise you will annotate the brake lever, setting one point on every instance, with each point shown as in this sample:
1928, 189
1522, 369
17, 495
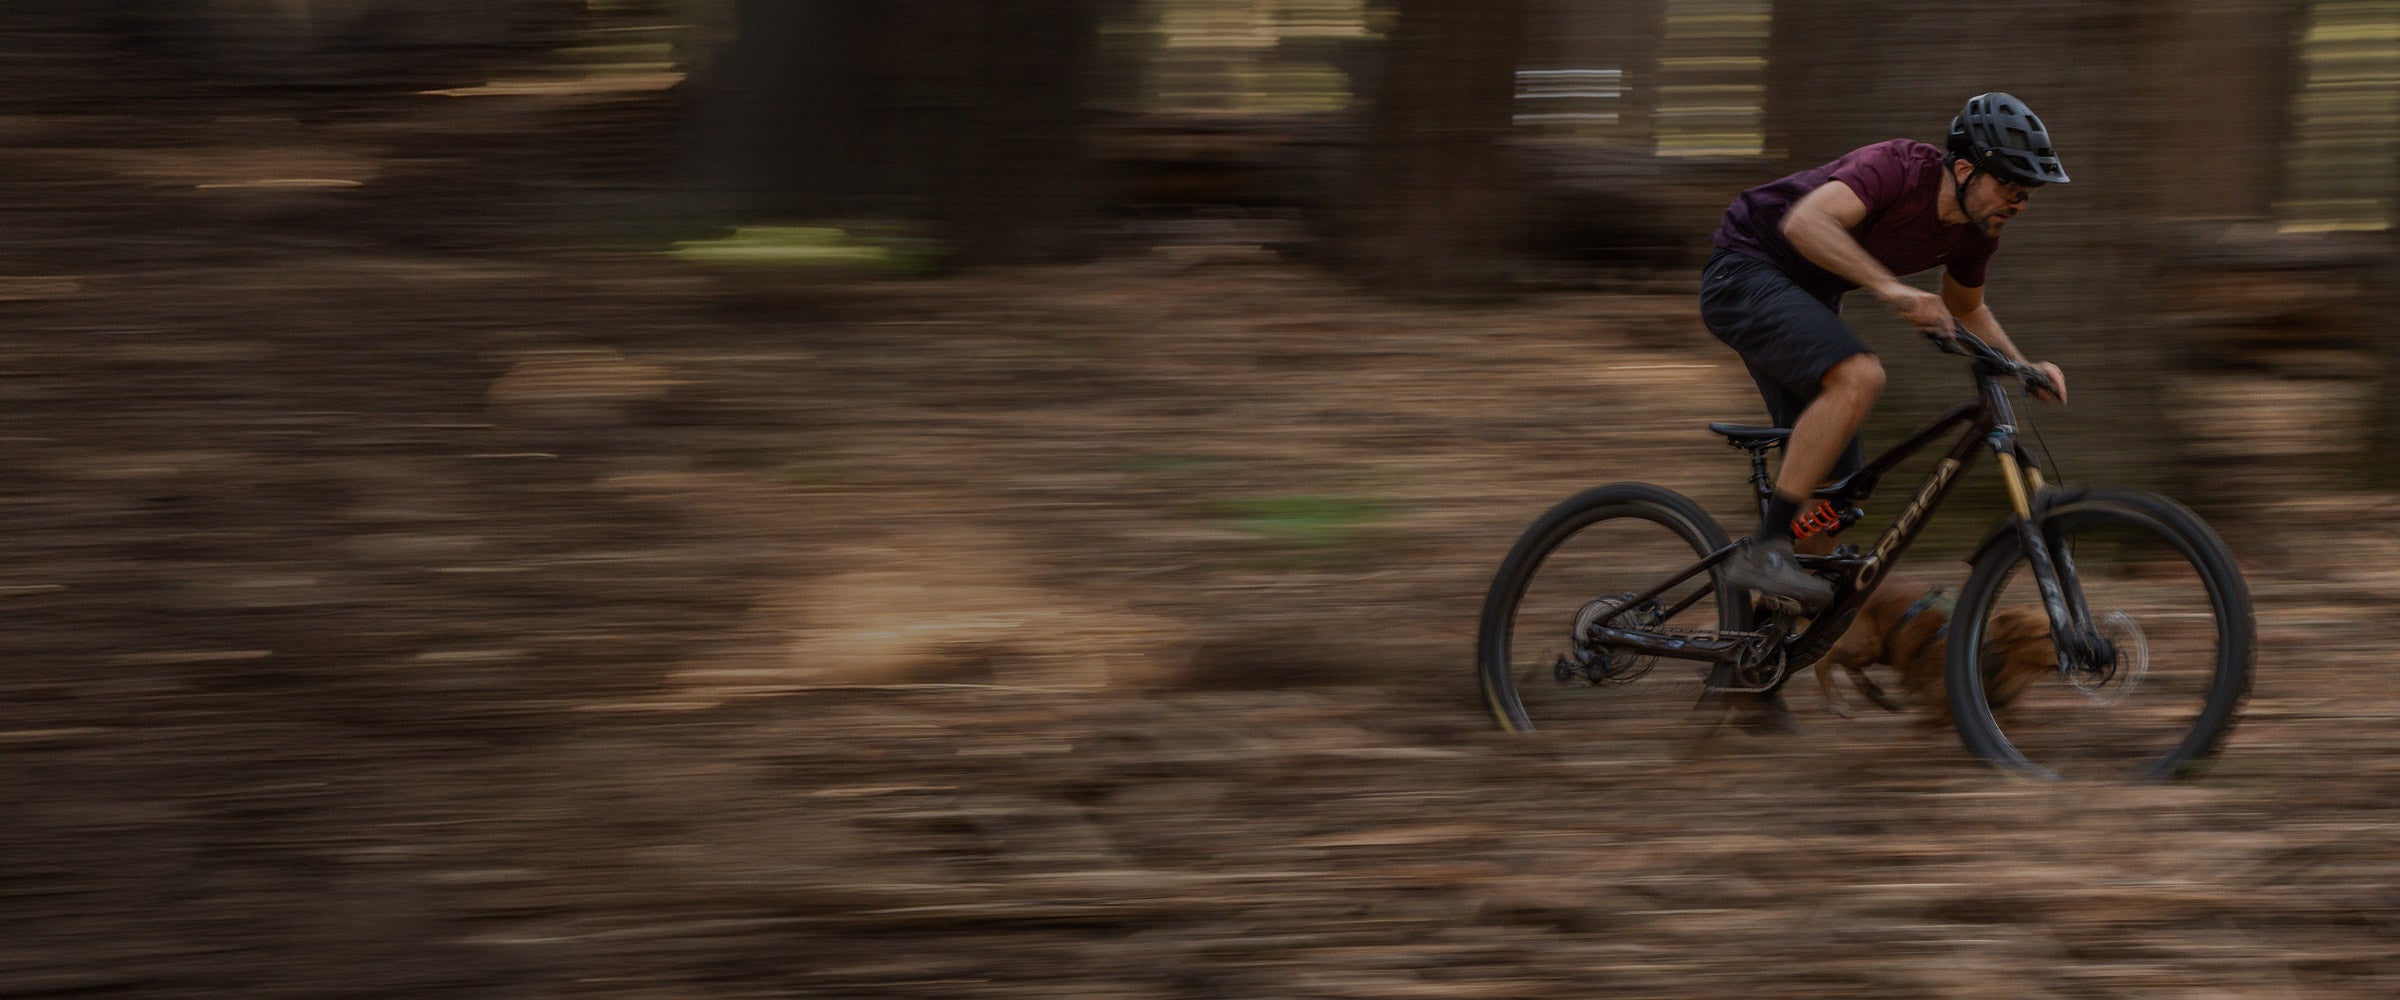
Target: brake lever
2036, 382
1956, 339
1947, 340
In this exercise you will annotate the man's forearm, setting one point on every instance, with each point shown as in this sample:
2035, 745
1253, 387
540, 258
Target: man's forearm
1980, 322
1821, 239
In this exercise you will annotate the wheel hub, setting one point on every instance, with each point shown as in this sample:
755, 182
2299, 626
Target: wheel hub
2112, 659
1600, 663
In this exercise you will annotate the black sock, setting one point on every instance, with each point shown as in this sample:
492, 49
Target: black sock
1777, 521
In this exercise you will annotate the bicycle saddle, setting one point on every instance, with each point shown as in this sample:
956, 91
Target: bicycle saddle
1747, 436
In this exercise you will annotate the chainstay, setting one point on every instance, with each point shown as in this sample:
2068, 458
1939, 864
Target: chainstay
1774, 680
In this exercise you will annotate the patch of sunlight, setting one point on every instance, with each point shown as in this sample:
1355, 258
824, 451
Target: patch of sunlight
600, 62
1713, 64
2345, 121
1711, 72
2336, 225
602, 83
1730, 144
791, 246
2370, 31
1251, 56
282, 182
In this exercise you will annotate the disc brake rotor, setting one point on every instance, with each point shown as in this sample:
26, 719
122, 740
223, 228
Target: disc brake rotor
2109, 680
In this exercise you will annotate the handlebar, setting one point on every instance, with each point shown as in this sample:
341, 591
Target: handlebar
1960, 341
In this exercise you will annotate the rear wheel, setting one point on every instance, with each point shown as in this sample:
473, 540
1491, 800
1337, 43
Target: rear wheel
2154, 682
1578, 566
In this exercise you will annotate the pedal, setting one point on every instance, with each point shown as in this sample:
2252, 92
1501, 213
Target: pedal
1777, 608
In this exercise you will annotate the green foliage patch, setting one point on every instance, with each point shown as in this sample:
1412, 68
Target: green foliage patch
1303, 522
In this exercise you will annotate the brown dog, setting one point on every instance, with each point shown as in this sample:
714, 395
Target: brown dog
1905, 625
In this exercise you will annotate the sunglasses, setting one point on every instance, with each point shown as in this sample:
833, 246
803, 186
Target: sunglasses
2009, 191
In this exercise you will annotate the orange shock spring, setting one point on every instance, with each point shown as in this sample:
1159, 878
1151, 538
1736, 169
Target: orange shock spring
1817, 520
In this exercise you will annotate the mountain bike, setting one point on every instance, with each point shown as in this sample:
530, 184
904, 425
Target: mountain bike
1608, 618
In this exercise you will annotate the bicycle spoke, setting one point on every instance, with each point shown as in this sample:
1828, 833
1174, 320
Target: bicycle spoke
1593, 564
2153, 679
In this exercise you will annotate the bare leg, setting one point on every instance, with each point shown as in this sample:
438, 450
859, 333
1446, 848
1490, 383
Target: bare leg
1847, 392
1767, 563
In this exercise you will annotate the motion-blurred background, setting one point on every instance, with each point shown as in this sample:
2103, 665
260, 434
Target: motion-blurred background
2223, 247
964, 498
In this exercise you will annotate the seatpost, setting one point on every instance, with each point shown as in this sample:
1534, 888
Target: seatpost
1758, 477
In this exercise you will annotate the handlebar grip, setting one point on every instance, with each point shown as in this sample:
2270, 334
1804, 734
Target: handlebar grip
1960, 341
1956, 340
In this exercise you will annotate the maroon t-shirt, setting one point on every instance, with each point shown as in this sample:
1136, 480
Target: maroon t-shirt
1899, 181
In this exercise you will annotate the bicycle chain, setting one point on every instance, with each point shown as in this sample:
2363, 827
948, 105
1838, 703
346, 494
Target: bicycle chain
1762, 665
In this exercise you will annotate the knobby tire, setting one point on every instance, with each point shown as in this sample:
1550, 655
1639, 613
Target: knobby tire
2171, 601
1621, 539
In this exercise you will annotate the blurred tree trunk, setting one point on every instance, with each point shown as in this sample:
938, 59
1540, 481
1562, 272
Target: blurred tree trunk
1436, 210
395, 43
967, 114
2219, 90
772, 128
1808, 94
2376, 467
1008, 171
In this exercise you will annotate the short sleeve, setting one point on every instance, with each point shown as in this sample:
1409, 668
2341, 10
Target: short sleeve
1878, 174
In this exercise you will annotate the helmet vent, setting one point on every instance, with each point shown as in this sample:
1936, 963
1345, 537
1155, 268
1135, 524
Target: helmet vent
2006, 137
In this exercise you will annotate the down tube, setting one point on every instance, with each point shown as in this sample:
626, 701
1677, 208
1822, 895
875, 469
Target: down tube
1903, 531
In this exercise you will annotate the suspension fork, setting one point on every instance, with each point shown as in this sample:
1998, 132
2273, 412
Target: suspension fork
2072, 632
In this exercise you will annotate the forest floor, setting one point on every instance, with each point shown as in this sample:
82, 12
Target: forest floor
404, 590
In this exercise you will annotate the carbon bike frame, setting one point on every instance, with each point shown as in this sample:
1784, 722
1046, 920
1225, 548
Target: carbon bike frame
1990, 422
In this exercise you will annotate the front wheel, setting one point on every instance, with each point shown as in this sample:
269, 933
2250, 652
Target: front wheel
2149, 681
1582, 564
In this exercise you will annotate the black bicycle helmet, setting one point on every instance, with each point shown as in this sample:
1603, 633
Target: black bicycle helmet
2000, 136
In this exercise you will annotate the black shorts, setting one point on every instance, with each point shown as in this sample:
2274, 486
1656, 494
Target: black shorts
1787, 338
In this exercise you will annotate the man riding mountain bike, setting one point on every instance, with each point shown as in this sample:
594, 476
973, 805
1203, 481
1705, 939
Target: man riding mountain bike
1788, 250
